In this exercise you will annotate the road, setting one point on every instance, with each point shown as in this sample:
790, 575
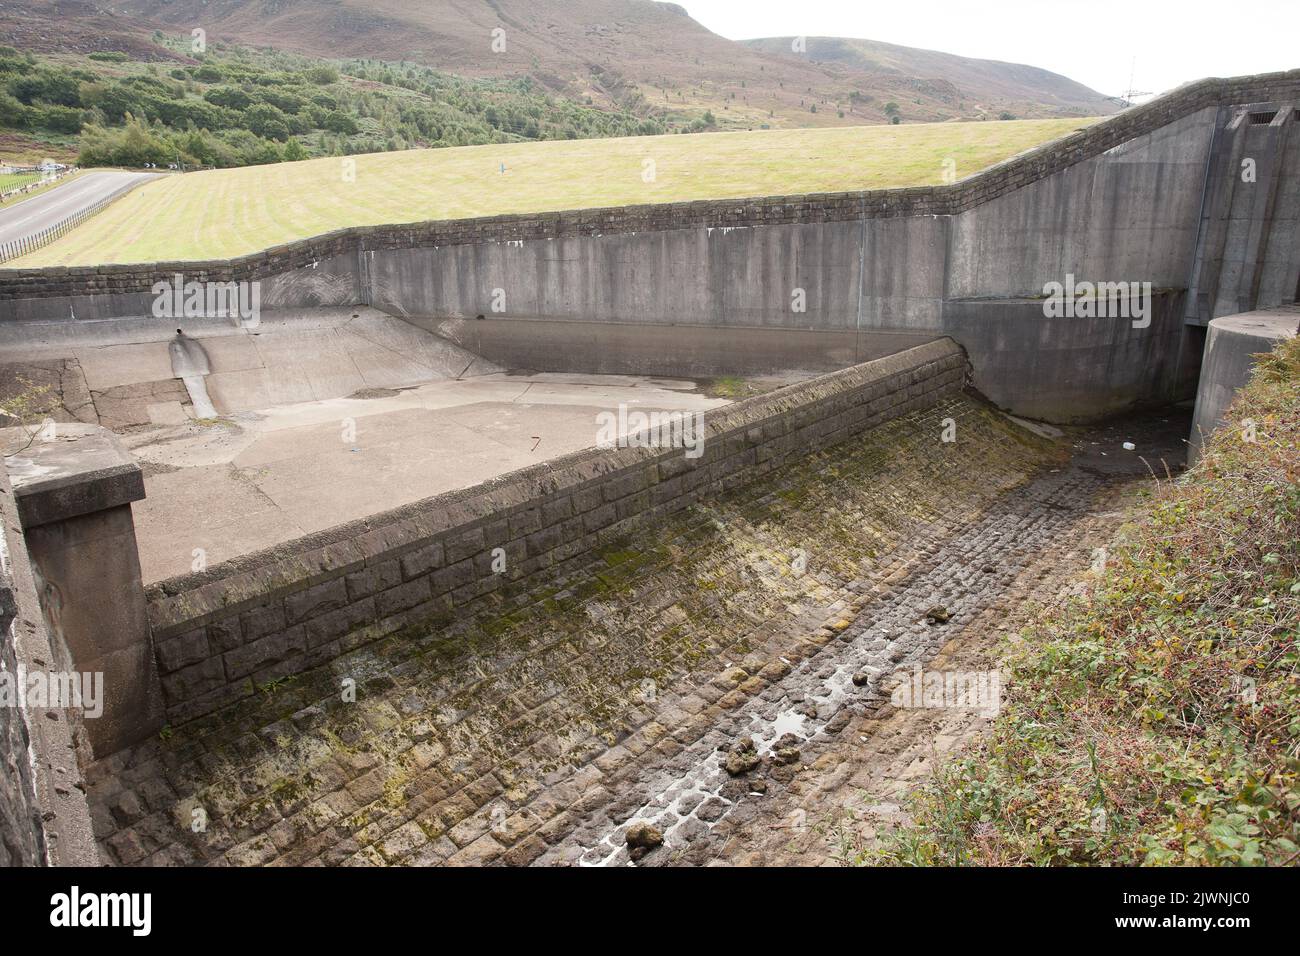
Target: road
26, 218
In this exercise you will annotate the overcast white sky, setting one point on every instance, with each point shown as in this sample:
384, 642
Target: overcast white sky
1092, 41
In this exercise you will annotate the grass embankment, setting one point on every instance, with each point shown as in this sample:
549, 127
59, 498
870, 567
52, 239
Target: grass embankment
1157, 719
231, 212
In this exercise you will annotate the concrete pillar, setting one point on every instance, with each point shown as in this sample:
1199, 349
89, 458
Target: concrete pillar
73, 486
1245, 229
1230, 351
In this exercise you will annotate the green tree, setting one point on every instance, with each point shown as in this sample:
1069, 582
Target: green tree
58, 119
339, 122
13, 114
138, 145
265, 152
118, 102
230, 97
266, 121
322, 75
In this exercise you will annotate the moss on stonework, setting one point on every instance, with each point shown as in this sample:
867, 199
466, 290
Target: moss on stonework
614, 556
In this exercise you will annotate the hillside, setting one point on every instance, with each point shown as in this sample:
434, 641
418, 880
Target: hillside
989, 86
638, 55
77, 26
238, 107
205, 215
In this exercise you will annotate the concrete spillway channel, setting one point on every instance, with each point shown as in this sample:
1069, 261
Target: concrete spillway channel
532, 738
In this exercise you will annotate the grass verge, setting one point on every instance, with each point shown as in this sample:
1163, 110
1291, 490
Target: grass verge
1154, 719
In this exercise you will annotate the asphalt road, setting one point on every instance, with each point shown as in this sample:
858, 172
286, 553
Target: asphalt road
26, 218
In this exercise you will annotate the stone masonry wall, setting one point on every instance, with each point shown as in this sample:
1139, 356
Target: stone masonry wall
44, 819
944, 200
20, 831
249, 622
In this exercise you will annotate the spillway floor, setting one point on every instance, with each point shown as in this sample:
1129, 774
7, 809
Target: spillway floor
252, 480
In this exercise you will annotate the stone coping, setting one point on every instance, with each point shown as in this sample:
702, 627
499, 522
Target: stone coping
81, 470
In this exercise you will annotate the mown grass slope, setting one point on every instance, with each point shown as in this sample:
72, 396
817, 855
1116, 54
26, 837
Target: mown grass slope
232, 212
1155, 720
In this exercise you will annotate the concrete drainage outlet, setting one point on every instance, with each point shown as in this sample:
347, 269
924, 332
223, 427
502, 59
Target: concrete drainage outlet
190, 364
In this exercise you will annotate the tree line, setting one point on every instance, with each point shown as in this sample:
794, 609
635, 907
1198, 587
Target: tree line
236, 106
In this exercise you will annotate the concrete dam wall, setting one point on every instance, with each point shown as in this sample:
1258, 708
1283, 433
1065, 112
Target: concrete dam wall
1154, 195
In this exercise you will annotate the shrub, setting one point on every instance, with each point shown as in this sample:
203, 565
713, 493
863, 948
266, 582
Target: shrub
58, 119
322, 75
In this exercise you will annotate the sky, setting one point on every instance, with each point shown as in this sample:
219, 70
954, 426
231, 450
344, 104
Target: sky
1159, 44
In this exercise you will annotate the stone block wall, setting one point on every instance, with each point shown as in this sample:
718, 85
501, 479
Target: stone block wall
248, 622
21, 839
44, 819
